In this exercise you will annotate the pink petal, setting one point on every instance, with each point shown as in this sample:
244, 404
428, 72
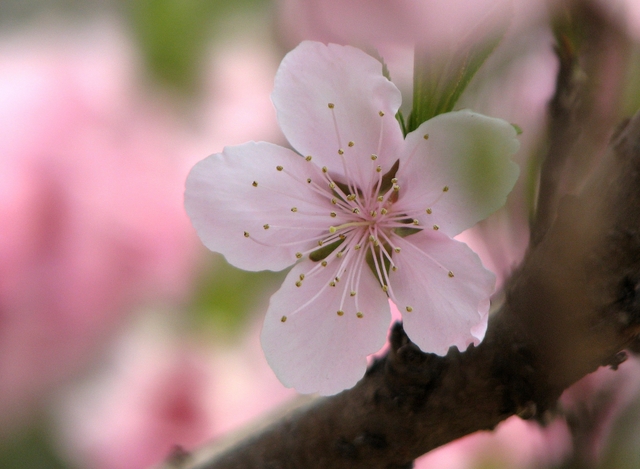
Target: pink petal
241, 191
440, 310
314, 75
462, 172
315, 349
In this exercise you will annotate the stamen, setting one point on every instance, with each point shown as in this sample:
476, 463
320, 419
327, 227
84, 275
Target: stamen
445, 189
254, 184
340, 151
279, 168
353, 293
246, 234
294, 209
283, 319
426, 136
359, 315
308, 158
351, 144
331, 105
436, 227
340, 312
381, 114
374, 157
298, 255
298, 283
429, 211
451, 274
266, 226
409, 309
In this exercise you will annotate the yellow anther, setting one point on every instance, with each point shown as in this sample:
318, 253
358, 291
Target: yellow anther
246, 234
308, 157
394, 181
394, 268
309, 180
332, 185
298, 283
378, 169
396, 187
359, 315
426, 136
409, 309
445, 189
380, 198
283, 319
332, 229
332, 283
254, 184
374, 157
356, 210
371, 238
356, 247
381, 114
373, 213
415, 221
353, 293
385, 288
397, 249
383, 211
301, 276
342, 236
351, 197
451, 274
339, 255
298, 255
294, 209
333, 214
320, 243
436, 227
340, 151
334, 201
279, 168
340, 312
266, 226
324, 169
331, 105
429, 211
323, 263
351, 144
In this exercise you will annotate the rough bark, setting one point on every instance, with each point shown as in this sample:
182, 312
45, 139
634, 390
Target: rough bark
572, 306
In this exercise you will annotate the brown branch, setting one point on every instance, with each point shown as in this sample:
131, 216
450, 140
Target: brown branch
572, 306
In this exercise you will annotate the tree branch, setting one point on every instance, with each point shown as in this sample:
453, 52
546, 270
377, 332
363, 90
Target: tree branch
572, 306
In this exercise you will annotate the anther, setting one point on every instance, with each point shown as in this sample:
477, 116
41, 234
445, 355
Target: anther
308, 158
356, 247
409, 309
298, 255
332, 283
301, 276
342, 236
332, 229
385, 288
394, 181
381, 114
397, 249
283, 319
279, 168
332, 185
380, 198
323, 263
298, 283
371, 238
351, 197
246, 234
294, 209
356, 210
359, 315
320, 243
373, 213
374, 157
309, 180
396, 188
426, 136
334, 201
384, 210
340, 312
378, 169
353, 293
394, 268
333, 214
429, 211
254, 184
266, 226
331, 105
451, 274
445, 189
340, 151
351, 144
324, 169
339, 255
415, 221
436, 227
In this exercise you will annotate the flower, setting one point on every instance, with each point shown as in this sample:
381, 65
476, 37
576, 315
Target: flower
362, 213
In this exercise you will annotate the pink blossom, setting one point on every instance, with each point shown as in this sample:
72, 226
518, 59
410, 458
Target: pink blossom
90, 209
360, 195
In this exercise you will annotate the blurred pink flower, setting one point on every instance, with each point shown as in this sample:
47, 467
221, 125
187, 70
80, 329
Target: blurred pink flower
159, 391
91, 175
514, 444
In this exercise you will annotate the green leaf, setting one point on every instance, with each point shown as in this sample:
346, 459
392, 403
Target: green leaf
438, 82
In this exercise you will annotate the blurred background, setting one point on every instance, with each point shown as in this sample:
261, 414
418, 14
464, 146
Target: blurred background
121, 337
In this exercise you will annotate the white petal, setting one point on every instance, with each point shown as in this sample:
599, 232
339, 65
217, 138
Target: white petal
241, 190
314, 76
315, 349
442, 291
462, 172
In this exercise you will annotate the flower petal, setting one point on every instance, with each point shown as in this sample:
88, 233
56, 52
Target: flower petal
456, 169
312, 348
442, 290
330, 99
241, 205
